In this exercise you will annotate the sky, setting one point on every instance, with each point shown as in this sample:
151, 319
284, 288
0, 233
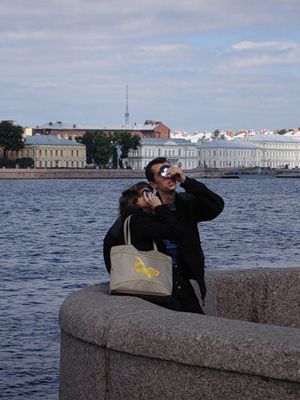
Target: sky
195, 65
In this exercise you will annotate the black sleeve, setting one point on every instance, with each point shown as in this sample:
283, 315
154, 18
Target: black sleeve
114, 237
163, 225
206, 204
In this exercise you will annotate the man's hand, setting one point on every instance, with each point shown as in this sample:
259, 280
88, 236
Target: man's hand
176, 173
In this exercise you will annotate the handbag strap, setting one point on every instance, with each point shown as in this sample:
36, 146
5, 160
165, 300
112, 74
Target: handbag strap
126, 230
127, 234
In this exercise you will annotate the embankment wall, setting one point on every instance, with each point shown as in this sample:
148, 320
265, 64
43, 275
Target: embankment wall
89, 173
247, 346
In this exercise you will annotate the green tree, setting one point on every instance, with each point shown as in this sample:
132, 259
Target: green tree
98, 147
10, 137
125, 141
25, 162
101, 147
216, 134
281, 131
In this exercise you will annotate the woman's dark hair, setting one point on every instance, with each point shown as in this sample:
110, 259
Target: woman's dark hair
149, 173
127, 202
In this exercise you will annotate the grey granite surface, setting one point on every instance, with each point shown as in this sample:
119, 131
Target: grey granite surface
124, 347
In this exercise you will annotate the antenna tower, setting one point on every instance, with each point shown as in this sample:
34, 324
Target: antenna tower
126, 113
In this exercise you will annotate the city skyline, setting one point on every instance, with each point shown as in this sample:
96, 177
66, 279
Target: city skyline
192, 65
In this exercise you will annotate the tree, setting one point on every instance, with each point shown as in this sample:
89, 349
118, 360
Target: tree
216, 134
98, 147
125, 141
25, 162
281, 131
101, 147
10, 137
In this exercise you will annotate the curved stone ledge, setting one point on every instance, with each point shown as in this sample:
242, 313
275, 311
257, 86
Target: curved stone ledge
123, 347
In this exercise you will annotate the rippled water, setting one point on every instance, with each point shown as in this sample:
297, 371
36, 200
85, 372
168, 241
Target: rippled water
51, 245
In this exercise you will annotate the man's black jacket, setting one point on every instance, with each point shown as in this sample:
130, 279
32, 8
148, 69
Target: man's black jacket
196, 204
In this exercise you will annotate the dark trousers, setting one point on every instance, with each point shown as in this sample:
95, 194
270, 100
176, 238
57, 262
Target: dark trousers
183, 296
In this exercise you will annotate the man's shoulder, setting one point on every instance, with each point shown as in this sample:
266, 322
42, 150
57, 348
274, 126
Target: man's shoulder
184, 196
184, 201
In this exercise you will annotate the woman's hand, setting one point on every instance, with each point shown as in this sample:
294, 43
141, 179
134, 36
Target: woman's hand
152, 200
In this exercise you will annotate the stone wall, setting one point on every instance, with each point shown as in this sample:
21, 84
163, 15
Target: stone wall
121, 347
89, 173
74, 173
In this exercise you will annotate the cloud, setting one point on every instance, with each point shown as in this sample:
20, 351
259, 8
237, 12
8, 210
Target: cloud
249, 55
265, 46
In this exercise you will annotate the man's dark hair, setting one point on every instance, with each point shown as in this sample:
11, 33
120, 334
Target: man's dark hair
149, 173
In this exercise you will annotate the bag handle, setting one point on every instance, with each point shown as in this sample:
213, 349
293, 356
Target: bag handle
127, 234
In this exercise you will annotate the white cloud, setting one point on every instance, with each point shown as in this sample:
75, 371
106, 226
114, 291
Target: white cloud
249, 55
265, 46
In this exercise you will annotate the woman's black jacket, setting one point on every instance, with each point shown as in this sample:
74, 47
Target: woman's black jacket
144, 228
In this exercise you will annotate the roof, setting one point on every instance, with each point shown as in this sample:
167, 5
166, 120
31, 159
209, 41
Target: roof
227, 144
165, 141
273, 138
46, 140
97, 127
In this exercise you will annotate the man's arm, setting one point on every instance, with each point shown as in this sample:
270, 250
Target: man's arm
207, 204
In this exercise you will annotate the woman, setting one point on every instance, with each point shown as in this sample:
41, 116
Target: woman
151, 220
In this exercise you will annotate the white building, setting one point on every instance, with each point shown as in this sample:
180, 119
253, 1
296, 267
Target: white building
228, 154
273, 151
277, 151
178, 151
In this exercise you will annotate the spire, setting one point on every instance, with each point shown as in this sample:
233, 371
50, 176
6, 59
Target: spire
127, 113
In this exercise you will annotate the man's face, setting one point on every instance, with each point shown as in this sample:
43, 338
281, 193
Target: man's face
161, 184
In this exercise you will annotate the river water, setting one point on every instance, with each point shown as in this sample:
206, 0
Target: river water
51, 245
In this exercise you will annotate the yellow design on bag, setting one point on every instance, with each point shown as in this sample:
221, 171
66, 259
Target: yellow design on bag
140, 267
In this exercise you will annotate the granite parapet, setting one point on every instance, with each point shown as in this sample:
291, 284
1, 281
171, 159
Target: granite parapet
139, 344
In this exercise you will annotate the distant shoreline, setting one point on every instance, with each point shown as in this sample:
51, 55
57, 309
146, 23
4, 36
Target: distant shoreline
57, 173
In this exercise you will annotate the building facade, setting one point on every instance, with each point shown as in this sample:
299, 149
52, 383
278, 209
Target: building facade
178, 151
228, 154
265, 151
51, 152
277, 151
150, 129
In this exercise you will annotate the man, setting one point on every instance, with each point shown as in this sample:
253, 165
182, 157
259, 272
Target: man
196, 204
